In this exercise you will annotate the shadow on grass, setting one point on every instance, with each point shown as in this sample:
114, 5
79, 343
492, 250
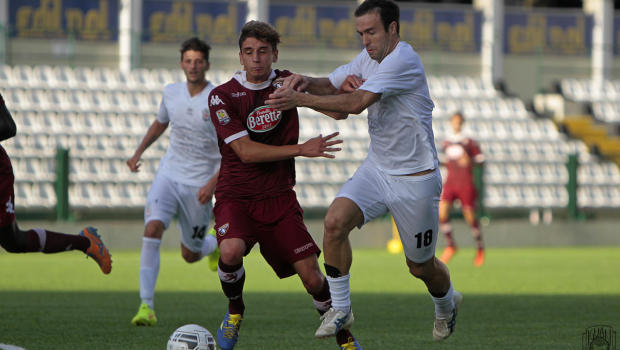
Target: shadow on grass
87, 320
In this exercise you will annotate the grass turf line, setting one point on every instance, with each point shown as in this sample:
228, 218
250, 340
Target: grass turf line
533, 298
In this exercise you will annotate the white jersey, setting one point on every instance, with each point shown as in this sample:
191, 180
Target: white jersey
193, 155
400, 123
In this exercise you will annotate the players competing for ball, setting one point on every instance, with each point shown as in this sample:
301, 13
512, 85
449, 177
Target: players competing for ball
15, 240
255, 198
186, 178
461, 154
401, 173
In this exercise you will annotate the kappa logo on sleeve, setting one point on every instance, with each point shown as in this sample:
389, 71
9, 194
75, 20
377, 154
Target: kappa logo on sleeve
216, 100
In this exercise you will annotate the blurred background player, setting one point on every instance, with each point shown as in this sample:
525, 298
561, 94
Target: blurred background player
401, 172
15, 240
461, 154
186, 177
255, 198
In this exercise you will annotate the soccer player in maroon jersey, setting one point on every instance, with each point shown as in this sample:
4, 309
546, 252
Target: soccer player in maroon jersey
461, 153
15, 240
255, 201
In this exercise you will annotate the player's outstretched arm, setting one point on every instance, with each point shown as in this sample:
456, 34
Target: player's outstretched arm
353, 103
152, 134
255, 152
304, 83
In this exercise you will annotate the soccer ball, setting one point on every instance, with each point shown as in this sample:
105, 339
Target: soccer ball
191, 337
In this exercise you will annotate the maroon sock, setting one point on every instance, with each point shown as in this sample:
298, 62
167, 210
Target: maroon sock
477, 235
232, 281
446, 228
55, 242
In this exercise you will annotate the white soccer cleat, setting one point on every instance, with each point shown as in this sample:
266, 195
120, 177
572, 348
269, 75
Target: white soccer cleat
444, 327
333, 321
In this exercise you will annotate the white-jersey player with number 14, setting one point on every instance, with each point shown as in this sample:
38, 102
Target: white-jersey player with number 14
186, 177
401, 173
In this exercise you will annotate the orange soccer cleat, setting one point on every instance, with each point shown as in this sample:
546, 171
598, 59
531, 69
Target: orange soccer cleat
479, 259
447, 254
97, 249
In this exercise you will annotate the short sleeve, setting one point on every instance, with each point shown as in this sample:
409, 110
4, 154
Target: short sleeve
224, 117
397, 73
162, 115
338, 76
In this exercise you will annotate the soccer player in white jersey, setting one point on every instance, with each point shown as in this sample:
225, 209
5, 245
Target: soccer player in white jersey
187, 174
401, 172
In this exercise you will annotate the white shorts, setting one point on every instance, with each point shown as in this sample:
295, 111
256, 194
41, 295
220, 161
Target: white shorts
412, 200
167, 198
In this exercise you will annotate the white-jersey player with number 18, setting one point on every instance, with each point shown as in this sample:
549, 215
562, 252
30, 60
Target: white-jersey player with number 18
186, 177
401, 173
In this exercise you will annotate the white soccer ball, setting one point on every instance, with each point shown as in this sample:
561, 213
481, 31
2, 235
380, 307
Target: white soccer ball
191, 337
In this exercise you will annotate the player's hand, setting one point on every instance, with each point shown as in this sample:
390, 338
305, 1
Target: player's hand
319, 146
351, 83
134, 164
205, 193
296, 82
284, 99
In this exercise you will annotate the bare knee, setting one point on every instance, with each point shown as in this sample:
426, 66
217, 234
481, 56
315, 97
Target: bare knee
154, 229
190, 256
423, 270
232, 251
314, 283
335, 227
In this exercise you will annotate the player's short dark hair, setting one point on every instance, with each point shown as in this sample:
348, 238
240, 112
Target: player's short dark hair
388, 10
261, 31
196, 44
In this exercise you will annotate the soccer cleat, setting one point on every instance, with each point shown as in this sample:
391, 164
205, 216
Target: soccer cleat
214, 257
351, 344
333, 321
479, 259
444, 327
228, 333
97, 249
447, 254
145, 316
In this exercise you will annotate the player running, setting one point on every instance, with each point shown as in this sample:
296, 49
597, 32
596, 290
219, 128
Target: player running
401, 173
461, 153
255, 198
187, 174
15, 240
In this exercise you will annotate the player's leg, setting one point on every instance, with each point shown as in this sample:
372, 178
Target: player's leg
161, 205
358, 201
316, 285
232, 278
468, 200
194, 220
445, 205
414, 204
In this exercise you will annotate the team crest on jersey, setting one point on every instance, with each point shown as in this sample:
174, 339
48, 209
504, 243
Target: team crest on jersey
216, 100
223, 229
9, 206
277, 83
263, 119
205, 115
222, 116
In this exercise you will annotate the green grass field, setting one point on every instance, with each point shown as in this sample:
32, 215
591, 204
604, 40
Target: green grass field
535, 298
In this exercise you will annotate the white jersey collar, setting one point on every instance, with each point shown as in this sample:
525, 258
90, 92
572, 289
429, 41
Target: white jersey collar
241, 78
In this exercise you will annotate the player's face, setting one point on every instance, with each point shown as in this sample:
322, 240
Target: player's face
376, 40
457, 123
195, 66
257, 57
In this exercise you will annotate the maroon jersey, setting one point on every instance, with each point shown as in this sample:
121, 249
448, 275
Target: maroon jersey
238, 109
457, 150
7, 194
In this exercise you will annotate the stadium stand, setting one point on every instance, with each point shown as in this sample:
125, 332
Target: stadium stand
101, 114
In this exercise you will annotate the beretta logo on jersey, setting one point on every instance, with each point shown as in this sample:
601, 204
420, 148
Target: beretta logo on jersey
263, 119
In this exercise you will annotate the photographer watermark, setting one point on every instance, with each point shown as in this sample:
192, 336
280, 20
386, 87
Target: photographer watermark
599, 337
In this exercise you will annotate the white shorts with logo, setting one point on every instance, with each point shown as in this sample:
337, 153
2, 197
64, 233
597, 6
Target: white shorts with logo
412, 200
167, 198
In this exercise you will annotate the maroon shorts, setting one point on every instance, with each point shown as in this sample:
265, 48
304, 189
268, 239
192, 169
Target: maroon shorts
7, 195
276, 224
465, 193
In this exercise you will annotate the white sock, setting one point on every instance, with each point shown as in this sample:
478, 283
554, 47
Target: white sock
149, 269
445, 304
208, 246
340, 292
